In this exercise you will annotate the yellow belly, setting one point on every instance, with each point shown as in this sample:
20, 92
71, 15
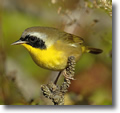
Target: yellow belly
49, 58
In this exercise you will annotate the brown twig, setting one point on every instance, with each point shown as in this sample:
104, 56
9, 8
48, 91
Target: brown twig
56, 93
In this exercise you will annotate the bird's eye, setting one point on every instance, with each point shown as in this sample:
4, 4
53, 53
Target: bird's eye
32, 39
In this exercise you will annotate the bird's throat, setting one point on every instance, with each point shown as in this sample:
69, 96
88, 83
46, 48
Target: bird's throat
49, 58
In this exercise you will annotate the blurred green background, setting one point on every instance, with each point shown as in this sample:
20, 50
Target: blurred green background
21, 78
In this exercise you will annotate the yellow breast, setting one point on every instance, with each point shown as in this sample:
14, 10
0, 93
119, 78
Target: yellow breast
49, 58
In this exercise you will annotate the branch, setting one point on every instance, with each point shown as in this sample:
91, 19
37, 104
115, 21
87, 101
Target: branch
56, 93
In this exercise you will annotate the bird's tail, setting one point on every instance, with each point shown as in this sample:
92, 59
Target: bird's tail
91, 50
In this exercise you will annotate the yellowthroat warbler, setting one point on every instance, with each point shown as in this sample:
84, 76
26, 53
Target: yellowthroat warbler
50, 47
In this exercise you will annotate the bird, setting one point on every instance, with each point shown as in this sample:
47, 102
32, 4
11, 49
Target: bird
50, 47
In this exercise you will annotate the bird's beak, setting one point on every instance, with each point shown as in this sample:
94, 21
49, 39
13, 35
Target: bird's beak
19, 42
